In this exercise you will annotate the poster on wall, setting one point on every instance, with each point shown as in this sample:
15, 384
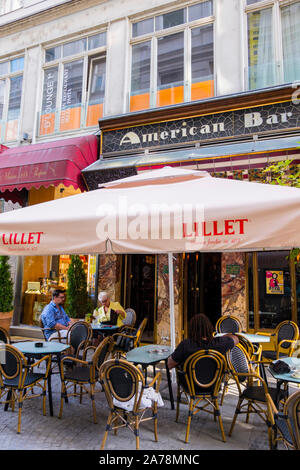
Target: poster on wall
274, 282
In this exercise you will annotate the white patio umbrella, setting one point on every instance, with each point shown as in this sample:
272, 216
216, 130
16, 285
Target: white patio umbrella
169, 210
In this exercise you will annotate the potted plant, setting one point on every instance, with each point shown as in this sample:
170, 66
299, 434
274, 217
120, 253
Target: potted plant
77, 301
6, 293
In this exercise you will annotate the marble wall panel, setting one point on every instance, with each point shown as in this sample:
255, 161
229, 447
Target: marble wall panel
234, 300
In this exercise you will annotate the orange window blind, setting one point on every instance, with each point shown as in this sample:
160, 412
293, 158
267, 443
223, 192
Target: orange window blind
169, 96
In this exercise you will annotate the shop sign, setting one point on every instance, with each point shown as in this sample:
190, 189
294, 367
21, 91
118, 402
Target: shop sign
274, 282
233, 269
244, 122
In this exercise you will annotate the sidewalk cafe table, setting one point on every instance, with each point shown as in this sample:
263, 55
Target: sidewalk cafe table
106, 330
288, 377
29, 349
151, 355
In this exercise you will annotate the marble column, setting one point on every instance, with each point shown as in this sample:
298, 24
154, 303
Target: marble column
234, 300
110, 276
163, 305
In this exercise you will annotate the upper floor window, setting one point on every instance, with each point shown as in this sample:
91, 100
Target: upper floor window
273, 43
172, 57
11, 80
6, 6
74, 84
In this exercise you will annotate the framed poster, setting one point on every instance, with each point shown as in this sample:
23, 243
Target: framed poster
274, 282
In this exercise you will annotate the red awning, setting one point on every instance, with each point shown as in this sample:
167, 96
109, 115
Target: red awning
51, 163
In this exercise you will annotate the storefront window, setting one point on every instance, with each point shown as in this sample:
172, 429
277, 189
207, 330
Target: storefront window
14, 108
298, 292
96, 90
2, 92
140, 76
250, 290
71, 96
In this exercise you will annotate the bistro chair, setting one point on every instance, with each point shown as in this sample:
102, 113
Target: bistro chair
59, 338
286, 335
228, 324
18, 379
85, 373
79, 337
128, 338
124, 382
286, 424
254, 397
254, 354
200, 381
130, 318
4, 336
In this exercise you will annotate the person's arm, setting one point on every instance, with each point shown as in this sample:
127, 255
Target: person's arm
233, 337
119, 310
171, 363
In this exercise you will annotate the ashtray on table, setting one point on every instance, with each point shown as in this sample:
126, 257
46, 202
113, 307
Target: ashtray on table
158, 350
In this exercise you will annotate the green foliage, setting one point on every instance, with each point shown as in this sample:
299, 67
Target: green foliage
285, 174
6, 286
77, 301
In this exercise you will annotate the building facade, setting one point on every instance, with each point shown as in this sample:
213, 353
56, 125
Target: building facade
207, 84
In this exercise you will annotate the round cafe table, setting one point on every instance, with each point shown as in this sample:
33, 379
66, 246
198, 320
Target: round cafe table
106, 330
29, 349
151, 355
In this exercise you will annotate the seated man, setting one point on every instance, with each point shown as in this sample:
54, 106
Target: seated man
104, 313
54, 316
200, 337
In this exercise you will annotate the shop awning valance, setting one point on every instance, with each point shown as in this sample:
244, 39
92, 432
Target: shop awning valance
51, 163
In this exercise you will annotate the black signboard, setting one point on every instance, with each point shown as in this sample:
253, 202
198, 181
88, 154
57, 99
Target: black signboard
243, 122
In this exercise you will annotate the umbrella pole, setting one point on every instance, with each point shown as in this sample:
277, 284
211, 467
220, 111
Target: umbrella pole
172, 314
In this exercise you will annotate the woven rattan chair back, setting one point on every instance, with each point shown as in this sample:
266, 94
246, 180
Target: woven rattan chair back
292, 411
130, 318
286, 330
203, 371
139, 332
13, 362
228, 324
247, 345
4, 336
79, 334
102, 352
239, 362
121, 381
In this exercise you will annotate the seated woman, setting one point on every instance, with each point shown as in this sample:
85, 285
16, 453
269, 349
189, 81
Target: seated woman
200, 337
108, 312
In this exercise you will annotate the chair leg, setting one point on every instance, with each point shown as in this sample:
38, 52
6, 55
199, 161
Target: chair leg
20, 403
93, 402
225, 388
136, 431
44, 396
109, 420
63, 393
178, 404
155, 422
80, 396
249, 407
218, 413
237, 410
189, 420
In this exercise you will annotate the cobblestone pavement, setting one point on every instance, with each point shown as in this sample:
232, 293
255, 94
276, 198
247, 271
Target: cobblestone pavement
76, 429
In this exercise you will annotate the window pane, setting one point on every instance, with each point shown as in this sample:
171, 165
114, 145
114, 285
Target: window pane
72, 84
50, 90
274, 288
201, 10
297, 267
249, 2
97, 81
53, 53
74, 47
140, 68
4, 68
202, 53
290, 41
250, 290
2, 91
260, 49
170, 69
15, 95
143, 27
98, 40
17, 65
168, 20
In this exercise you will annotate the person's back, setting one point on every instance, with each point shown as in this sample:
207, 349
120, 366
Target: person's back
201, 337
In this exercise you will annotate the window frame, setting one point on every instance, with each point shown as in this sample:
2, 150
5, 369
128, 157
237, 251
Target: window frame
100, 52
153, 37
7, 79
276, 6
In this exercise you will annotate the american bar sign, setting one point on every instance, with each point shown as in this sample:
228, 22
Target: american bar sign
243, 122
